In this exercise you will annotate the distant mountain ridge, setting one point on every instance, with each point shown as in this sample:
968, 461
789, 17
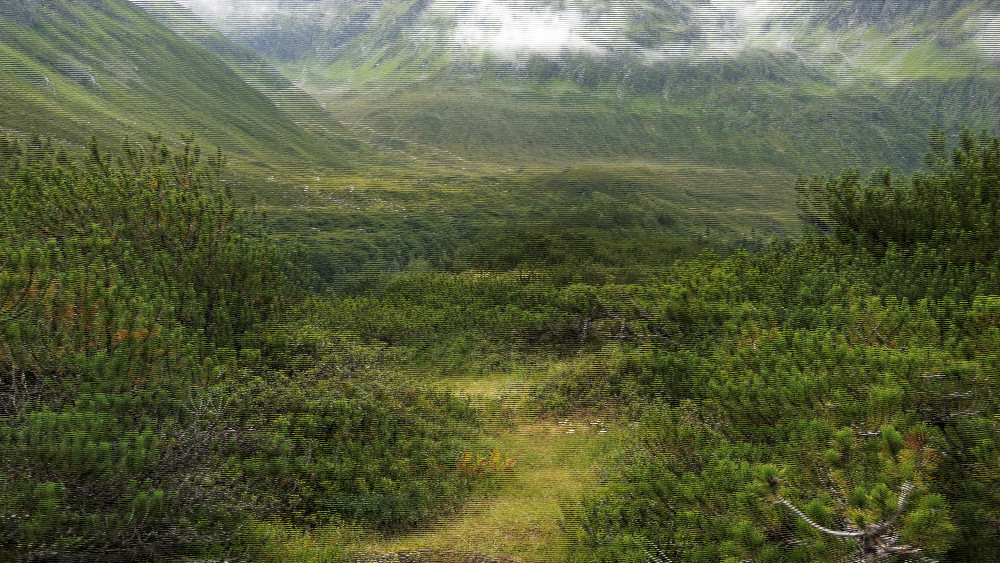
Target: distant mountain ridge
803, 86
799, 85
652, 31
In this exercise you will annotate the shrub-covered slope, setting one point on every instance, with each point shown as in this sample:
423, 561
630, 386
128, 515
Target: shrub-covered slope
158, 396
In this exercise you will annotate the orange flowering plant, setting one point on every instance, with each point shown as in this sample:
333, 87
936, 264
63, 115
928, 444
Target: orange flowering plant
494, 463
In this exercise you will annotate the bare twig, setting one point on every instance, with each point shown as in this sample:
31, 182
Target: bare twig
807, 520
660, 557
904, 493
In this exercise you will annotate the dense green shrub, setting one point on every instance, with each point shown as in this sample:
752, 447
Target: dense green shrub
374, 452
151, 400
847, 378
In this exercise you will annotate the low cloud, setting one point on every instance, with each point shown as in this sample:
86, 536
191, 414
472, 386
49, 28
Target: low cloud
227, 8
988, 37
517, 27
514, 28
247, 15
726, 27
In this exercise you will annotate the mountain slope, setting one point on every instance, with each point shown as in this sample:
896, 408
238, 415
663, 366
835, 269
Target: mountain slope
799, 85
105, 67
248, 65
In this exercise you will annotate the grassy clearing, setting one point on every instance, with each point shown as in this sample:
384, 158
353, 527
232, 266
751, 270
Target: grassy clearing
556, 463
283, 544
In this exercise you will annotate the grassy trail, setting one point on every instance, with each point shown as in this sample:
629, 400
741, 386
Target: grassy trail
555, 461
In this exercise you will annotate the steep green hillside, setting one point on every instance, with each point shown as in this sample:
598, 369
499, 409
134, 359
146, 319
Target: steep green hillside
248, 65
104, 67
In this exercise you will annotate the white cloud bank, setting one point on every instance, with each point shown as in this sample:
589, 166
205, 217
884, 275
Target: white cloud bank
518, 27
224, 9
513, 28
988, 37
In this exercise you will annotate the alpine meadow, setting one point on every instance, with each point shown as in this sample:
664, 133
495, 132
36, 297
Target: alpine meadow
499, 281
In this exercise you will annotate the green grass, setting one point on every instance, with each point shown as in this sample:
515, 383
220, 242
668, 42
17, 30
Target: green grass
277, 542
522, 519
